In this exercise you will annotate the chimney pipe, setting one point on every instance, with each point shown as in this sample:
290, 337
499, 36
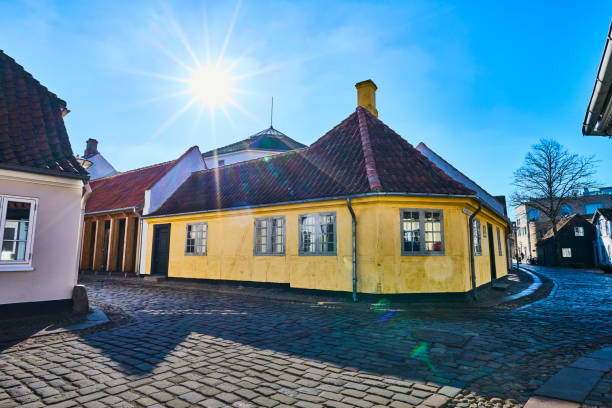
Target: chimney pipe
366, 95
91, 147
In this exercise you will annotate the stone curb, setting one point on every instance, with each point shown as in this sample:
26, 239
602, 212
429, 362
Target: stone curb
94, 318
572, 385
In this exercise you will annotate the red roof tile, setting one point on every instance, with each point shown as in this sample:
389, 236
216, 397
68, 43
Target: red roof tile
334, 165
32, 132
124, 190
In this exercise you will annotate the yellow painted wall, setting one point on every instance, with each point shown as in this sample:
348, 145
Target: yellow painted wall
380, 266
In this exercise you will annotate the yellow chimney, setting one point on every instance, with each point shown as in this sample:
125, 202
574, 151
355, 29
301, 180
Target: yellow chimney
366, 95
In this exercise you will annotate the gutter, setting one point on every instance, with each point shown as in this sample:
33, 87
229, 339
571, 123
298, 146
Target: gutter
46, 172
354, 235
319, 199
111, 211
471, 229
600, 95
81, 226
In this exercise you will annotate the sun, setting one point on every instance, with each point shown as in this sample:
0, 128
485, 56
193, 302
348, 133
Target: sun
211, 86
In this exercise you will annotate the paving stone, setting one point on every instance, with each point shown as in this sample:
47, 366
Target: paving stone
436, 401
571, 384
596, 364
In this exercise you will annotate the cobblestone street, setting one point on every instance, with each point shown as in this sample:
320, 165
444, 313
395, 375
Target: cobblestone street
182, 347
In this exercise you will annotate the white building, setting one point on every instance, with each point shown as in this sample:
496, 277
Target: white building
268, 142
41, 197
602, 220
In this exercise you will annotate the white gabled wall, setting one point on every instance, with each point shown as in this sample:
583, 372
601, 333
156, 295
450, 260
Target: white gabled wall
163, 189
239, 156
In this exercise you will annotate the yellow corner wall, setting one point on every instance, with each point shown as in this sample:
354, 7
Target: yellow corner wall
380, 266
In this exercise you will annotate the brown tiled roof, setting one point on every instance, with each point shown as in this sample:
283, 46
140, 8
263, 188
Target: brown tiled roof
563, 222
359, 155
269, 139
126, 190
32, 132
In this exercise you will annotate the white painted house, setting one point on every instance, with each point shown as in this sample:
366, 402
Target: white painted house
42, 197
602, 220
268, 142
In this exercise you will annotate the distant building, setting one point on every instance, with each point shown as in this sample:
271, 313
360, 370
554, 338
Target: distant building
41, 197
97, 166
268, 142
602, 220
575, 235
598, 117
532, 224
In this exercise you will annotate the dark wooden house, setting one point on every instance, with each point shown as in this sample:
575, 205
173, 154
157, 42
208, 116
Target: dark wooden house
576, 236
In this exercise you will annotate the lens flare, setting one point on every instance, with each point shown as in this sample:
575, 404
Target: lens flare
420, 353
211, 86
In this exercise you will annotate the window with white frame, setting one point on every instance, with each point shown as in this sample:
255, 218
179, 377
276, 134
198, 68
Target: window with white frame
566, 252
579, 231
318, 234
270, 236
422, 232
499, 242
534, 214
17, 222
477, 237
197, 237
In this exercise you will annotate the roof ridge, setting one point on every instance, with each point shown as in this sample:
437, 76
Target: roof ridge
368, 154
135, 170
243, 162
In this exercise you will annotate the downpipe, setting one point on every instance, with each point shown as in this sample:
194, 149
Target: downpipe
354, 236
471, 229
84, 199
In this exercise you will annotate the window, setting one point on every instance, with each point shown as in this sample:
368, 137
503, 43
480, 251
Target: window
566, 211
270, 236
318, 234
579, 231
566, 252
17, 220
484, 231
591, 208
197, 236
477, 238
221, 163
534, 215
499, 242
422, 232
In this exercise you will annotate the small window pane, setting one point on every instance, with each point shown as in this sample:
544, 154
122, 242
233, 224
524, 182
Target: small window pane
579, 231
269, 235
477, 237
566, 252
195, 242
318, 234
16, 227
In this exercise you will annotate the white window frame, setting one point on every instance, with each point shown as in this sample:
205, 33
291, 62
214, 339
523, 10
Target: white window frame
477, 237
422, 235
195, 245
565, 251
269, 234
499, 244
26, 264
579, 231
318, 235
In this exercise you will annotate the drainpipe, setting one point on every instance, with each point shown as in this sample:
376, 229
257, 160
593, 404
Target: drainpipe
471, 229
354, 225
137, 261
82, 219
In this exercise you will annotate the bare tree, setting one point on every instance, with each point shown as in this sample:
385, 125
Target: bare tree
551, 176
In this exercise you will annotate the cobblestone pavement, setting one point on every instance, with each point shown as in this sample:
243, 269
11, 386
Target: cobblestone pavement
188, 347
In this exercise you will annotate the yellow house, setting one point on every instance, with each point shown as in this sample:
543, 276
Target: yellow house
360, 210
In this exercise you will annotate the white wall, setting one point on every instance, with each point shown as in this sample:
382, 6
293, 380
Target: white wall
236, 157
56, 235
603, 242
162, 190
100, 167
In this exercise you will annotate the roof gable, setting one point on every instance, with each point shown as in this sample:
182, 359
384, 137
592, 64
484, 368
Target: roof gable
32, 131
604, 212
268, 140
360, 155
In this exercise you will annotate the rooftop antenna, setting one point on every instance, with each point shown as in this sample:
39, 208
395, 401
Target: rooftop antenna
271, 111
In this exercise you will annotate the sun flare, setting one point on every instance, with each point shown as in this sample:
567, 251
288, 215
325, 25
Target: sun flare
211, 86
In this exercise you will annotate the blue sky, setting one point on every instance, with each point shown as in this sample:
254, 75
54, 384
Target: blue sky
477, 82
